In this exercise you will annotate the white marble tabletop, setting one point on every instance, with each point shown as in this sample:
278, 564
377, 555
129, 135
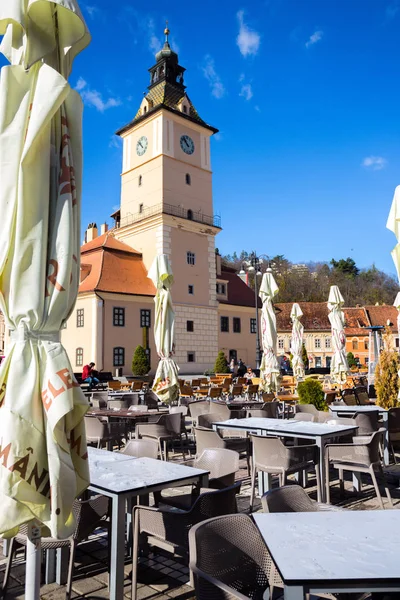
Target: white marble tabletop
354, 409
286, 425
118, 475
333, 546
104, 456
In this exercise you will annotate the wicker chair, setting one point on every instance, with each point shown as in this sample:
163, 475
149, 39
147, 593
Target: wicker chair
141, 448
89, 514
394, 429
166, 526
99, 432
361, 456
166, 429
306, 408
222, 465
150, 399
306, 416
252, 391
292, 498
367, 422
198, 408
270, 455
349, 397
208, 438
270, 410
99, 399
267, 397
362, 396
215, 392
229, 559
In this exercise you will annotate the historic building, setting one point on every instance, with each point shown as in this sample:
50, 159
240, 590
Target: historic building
167, 207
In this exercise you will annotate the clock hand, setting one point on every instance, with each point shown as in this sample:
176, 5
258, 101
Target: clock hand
186, 142
140, 144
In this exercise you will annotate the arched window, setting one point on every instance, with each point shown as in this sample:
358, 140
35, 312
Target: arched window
366, 344
190, 215
355, 344
140, 180
188, 179
79, 357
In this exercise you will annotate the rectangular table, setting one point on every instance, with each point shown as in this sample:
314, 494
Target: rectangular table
320, 433
120, 478
346, 410
344, 551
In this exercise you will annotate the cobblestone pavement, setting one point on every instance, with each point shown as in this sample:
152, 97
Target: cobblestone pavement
162, 576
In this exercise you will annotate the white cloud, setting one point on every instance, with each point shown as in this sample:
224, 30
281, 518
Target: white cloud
209, 72
115, 142
246, 91
247, 40
154, 42
392, 9
314, 38
242, 77
375, 163
218, 136
94, 98
257, 108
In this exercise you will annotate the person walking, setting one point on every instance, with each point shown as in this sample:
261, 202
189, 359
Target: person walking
88, 375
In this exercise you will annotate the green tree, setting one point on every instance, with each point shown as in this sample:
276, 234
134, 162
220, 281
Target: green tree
310, 392
221, 364
386, 374
351, 361
140, 362
347, 266
304, 356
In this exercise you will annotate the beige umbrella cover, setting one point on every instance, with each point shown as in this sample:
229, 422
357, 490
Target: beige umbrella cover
296, 344
269, 370
339, 366
43, 457
166, 384
393, 223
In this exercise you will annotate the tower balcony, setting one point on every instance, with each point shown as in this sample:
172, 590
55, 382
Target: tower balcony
169, 209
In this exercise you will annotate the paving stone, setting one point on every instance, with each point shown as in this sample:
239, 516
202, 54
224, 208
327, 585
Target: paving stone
86, 586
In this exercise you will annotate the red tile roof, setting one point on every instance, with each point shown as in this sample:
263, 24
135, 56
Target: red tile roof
315, 316
381, 315
108, 265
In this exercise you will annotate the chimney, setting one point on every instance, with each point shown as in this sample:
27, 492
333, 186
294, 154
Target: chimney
91, 232
103, 228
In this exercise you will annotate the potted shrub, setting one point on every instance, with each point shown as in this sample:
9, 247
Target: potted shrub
387, 374
221, 364
140, 362
310, 392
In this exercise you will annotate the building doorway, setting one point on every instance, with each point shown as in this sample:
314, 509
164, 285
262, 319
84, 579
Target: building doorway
233, 354
318, 362
328, 362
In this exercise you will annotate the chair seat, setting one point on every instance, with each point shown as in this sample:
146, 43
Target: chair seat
47, 543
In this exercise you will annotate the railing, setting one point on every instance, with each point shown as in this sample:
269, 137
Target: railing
175, 211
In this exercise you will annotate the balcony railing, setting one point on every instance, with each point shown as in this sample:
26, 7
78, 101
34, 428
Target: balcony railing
175, 211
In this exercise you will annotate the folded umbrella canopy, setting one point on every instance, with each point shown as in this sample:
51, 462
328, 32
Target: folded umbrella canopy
166, 384
43, 458
339, 366
393, 223
269, 370
296, 344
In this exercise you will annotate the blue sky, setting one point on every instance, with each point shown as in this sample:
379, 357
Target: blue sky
305, 94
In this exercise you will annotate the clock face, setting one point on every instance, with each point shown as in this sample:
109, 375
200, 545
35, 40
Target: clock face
187, 144
141, 145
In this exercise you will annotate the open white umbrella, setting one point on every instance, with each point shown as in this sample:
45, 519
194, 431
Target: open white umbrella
296, 344
43, 465
339, 366
166, 384
269, 370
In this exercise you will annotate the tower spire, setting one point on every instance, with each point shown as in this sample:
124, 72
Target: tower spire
166, 32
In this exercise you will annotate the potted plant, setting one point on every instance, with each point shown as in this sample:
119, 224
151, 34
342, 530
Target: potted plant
310, 392
140, 362
387, 373
221, 364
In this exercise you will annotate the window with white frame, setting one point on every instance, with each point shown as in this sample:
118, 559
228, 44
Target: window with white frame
253, 326
328, 343
221, 288
191, 258
119, 356
317, 343
79, 357
281, 344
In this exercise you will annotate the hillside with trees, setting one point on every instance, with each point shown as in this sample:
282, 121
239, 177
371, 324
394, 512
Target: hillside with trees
311, 282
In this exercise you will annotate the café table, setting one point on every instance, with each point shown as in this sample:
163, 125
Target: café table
120, 478
342, 409
320, 433
334, 552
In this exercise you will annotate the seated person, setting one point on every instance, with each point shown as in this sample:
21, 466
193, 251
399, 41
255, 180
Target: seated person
249, 374
88, 375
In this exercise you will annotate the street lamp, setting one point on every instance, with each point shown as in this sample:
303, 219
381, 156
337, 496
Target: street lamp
252, 265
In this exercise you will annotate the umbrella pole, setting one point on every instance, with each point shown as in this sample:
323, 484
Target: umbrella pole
33, 556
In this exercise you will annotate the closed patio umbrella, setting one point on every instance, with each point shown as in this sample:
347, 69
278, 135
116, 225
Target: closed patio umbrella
393, 223
269, 370
296, 345
339, 366
43, 458
166, 384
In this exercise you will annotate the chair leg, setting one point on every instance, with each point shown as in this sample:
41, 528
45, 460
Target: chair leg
388, 495
70, 569
248, 462
253, 485
394, 456
135, 552
8, 567
378, 494
341, 482
327, 484
318, 478
166, 450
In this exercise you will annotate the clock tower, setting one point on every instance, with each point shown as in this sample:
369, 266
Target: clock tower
167, 205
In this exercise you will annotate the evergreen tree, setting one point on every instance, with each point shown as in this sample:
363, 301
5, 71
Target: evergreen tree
221, 364
387, 374
351, 361
304, 356
140, 362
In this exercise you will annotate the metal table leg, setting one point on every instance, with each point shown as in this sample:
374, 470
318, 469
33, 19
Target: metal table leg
117, 558
386, 438
321, 443
294, 592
